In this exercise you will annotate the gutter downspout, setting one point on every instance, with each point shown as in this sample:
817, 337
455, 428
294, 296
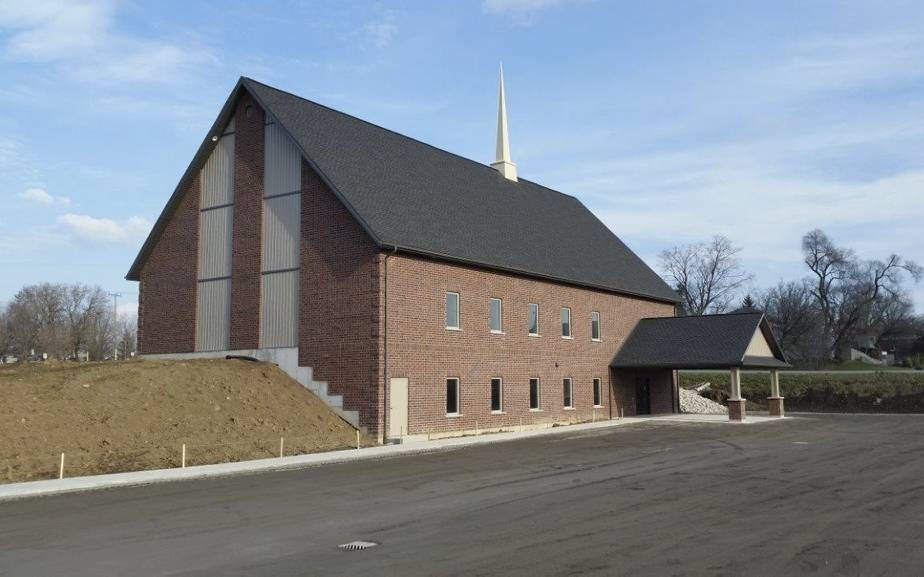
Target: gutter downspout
385, 347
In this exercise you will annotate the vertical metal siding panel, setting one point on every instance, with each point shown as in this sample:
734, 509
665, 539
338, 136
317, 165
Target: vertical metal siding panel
279, 317
218, 174
213, 315
215, 229
281, 223
283, 167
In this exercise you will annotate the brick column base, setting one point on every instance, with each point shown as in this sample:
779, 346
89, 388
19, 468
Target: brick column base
775, 406
736, 409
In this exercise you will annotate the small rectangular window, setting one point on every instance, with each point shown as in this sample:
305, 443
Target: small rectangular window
533, 319
566, 322
452, 396
568, 400
598, 393
496, 315
595, 326
497, 395
452, 310
534, 394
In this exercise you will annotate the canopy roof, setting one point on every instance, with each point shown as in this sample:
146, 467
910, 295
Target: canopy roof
724, 341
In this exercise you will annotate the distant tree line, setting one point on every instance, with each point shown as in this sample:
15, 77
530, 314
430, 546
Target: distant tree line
841, 299
64, 321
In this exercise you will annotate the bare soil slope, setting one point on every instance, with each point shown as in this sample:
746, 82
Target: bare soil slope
136, 415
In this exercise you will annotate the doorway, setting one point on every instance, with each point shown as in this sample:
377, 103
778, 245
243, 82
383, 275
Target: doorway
397, 408
643, 395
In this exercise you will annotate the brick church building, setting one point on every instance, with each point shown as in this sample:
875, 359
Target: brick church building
416, 291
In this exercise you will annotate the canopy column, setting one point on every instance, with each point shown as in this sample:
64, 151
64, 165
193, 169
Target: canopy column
775, 400
736, 410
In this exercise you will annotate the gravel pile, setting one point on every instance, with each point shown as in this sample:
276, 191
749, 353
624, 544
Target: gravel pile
693, 402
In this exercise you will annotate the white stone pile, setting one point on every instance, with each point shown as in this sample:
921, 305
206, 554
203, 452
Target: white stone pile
692, 402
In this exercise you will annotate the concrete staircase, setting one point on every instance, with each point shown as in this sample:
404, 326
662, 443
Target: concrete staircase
287, 360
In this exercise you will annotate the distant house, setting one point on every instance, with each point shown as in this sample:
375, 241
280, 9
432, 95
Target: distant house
417, 291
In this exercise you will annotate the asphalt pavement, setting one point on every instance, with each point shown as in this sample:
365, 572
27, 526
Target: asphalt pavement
814, 495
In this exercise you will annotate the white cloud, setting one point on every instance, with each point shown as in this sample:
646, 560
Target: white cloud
103, 230
381, 33
518, 6
41, 196
79, 35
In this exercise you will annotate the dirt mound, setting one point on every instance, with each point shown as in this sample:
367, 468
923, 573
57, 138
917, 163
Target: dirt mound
136, 415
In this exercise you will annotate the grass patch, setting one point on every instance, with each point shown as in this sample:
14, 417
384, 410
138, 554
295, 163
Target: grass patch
827, 391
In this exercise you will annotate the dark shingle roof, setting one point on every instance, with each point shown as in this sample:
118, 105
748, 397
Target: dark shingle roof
700, 342
421, 199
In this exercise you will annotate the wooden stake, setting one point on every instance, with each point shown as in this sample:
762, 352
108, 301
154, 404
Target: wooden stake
282, 447
357, 439
183, 458
61, 467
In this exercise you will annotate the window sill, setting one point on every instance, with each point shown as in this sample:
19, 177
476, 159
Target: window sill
498, 412
598, 406
568, 408
453, 329
597, 340
453, 415
534, 335
568, 338
535, 410
498, 333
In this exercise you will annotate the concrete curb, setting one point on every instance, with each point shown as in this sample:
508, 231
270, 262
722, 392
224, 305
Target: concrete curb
59, 486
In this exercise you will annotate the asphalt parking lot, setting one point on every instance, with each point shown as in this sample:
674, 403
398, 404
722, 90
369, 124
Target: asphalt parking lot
814, 495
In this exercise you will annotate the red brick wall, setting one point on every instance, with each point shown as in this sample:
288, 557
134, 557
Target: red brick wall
167, 292
340, 312
423, 350
246, 244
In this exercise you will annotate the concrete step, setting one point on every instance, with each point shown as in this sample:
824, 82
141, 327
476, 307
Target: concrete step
335, 401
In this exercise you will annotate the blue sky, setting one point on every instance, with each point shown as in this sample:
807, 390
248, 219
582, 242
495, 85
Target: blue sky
673, 121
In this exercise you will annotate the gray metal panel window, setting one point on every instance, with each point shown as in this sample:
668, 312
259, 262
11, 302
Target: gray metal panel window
532, 319
452, 310
497, 395
496, 315
534, 394
598, 393
452, 397
213, 315
282, 162
595, 326
279, 310
281, 234
215, 228
566, 322
567, 397
217, 175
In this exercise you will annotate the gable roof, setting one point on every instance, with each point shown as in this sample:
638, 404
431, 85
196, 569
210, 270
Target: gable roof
699, 342
421, 199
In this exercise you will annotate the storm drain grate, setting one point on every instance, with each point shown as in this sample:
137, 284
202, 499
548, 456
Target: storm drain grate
357, 545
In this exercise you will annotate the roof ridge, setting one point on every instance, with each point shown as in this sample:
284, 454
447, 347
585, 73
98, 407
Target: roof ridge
702, 316
396, 133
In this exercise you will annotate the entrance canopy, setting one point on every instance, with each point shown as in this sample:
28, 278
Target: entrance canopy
736, 340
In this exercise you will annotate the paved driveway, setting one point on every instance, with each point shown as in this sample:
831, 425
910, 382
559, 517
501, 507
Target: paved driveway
819, 495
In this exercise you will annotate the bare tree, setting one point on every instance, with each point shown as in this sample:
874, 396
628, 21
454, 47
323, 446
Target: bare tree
846, 289
83, 305
791, 311
128, 336
708, 275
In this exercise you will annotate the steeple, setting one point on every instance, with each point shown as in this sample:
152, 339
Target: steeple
503, 164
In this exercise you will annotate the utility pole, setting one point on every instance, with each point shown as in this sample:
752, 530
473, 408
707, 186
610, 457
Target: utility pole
115, 316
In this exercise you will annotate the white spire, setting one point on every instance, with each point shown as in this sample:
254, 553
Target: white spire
503, 164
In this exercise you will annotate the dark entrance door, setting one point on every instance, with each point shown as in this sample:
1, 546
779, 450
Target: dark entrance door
643, 396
